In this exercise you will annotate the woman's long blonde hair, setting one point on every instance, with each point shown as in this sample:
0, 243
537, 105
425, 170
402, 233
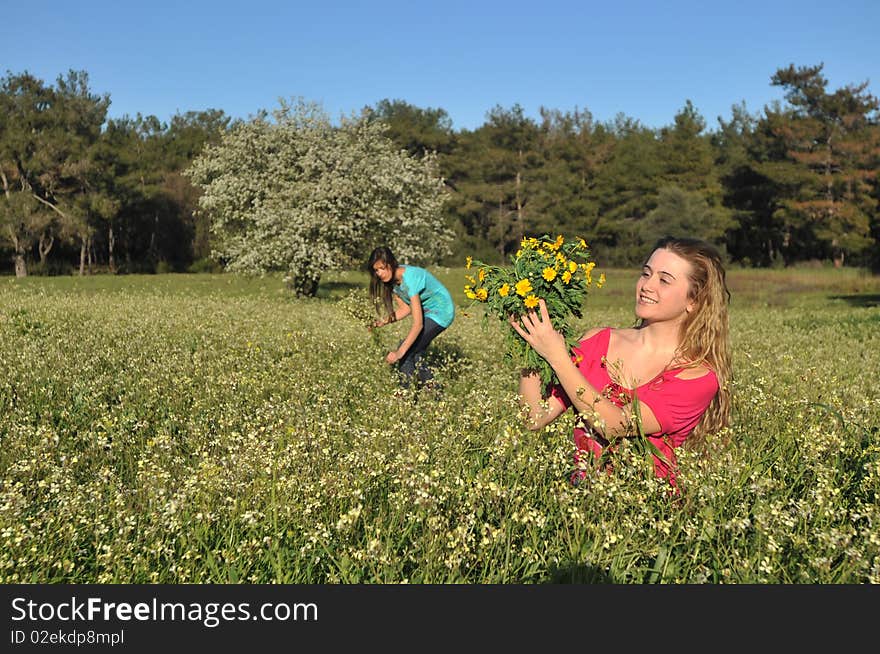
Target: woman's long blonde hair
705, 332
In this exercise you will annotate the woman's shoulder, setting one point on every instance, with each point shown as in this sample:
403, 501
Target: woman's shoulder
604, 334
414, 271
598, 338
698, 371
695, 381
591, 333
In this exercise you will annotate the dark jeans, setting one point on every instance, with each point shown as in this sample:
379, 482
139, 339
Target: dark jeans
413, 363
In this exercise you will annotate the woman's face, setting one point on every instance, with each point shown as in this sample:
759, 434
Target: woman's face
662, 292
382, 271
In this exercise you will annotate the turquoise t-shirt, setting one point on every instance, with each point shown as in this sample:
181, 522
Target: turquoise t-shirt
436, 300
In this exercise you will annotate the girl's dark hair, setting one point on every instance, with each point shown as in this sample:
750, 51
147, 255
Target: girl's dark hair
381, 292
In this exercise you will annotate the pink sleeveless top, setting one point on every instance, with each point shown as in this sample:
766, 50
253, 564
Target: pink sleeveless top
678, 404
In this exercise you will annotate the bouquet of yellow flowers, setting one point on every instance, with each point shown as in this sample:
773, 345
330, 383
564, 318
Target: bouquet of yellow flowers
558, 271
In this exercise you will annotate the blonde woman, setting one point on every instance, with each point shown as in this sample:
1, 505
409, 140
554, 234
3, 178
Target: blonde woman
675, 361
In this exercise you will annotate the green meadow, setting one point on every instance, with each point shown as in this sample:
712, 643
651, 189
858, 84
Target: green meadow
215, 429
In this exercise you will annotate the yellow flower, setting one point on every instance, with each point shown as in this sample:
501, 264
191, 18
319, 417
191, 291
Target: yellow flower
601, 281
572, 267
566, 276
529, 243
588, 266
549, 274
582, 244
557, 243
482, 274
471, 280
468, 262
482, 294
504, 290
523, 287
531, 302
469, 293
518, 254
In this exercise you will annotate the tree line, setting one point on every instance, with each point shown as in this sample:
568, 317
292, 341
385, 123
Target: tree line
794, 182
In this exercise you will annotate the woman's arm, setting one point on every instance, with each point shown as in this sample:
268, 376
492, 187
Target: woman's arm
531, 394
603, 415
418, 321
401, 312
541, 412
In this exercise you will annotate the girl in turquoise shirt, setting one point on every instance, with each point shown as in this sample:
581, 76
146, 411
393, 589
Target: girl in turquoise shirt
403, 291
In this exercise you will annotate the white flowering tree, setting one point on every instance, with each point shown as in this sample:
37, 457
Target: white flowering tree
299, 195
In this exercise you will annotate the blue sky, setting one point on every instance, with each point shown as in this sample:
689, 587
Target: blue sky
643, 59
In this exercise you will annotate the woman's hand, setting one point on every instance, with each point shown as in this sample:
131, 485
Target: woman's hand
538, 331
382, 322
392, 357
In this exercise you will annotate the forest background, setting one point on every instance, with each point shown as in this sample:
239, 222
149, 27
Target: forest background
794, 183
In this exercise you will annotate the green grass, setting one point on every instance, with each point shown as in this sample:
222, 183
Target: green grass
199, 428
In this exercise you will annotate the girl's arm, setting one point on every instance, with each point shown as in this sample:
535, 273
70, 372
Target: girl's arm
541, 412
418, 321
531, 394
401, 312
601, 413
